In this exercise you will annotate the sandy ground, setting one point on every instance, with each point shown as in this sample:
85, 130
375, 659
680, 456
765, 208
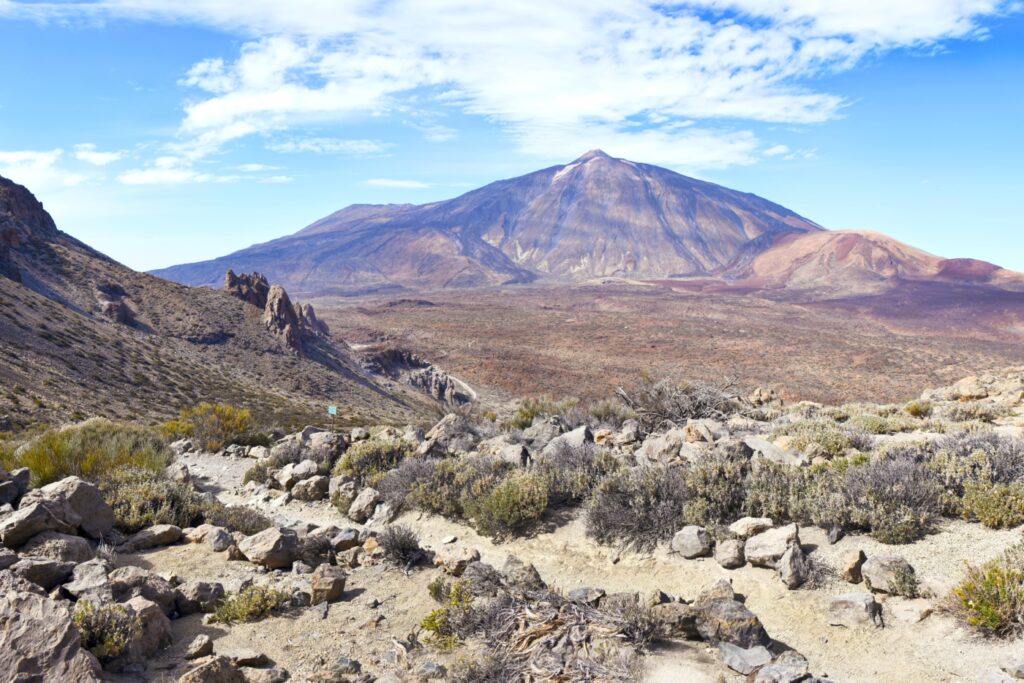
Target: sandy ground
936, 649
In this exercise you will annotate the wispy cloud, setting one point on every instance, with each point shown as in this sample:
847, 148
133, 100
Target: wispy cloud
331, 146
776, 150
681, 80
40, 170
88, 153
396, 184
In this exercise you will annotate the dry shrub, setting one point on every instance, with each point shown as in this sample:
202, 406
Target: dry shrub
997, 506
657, 403
142, 498
572, 472
400, 544
638, 508
897, 498
511, 507
716, 487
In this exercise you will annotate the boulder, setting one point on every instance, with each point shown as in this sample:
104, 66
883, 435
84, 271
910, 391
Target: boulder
272, 548
521, 575
543, 430
155, 633
692, 542
677, 620
53, 545
854, 609
778, 452
346, 539
43, 572
342, 491
884, 573
745, 527
213, 669
129, 582
767, 548
77, 503
248, 658
662, 448
729, 554
327, 583
38, 640
454, 558
577, 438
305, 469
19, 526
201, 646
363, 506
793, 567
89, 580
788, 667
7, 558
729, 621
314, 488
153, 537
196, 597
744, 660
852, 563
719, 590
586, 595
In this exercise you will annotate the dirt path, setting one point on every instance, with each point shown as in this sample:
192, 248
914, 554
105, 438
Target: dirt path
936, 649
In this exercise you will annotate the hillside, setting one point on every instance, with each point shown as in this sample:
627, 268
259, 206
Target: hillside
84, 334
595, 217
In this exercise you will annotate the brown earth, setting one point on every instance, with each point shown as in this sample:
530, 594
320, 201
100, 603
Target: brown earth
585, 340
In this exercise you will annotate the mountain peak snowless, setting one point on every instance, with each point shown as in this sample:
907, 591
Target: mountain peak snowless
597, 216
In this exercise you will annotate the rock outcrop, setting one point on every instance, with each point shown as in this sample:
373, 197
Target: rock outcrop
293, 323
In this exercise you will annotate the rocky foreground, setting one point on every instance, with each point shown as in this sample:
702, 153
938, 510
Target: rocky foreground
338, 585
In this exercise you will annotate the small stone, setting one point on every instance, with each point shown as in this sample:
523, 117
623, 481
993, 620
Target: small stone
793, 567
852, 563
788, 667
744, 660
884, 573
854, 609
767, 548
455, 558
346, 665
201, 646
327, 583
432, 671
587, 595
746, 527
912, 611
249, 658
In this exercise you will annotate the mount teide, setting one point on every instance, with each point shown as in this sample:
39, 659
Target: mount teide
594, 217
597, 217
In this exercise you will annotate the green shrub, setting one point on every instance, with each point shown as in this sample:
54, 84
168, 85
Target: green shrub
808, 495
905, 583
454, 482
991, 597
829, 436
106, 630
95, 450
249, 604
510, 507
258, 473
142, 498
974, 410
369, 461
611, 412
215, 426
443, 624
531, 408
717, 487
638, 508
997, 506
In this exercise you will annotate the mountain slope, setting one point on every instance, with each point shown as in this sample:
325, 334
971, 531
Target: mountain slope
82, 333
594, 217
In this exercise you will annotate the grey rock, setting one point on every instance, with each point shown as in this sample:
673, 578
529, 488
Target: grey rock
128, 582
77, 503
853, 610
788, 667
201, 646
882, 573
729, 621
154, 537
327, 583
587, 595
363, 506
18, 527
794, 567
43, 572
273, 548
692, 542
744, 660
196, 597
729, 554
767, 548
57, 546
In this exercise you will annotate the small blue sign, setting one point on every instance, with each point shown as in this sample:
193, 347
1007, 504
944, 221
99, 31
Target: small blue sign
332, 410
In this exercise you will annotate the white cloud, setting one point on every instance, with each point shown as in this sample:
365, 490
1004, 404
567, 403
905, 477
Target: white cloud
776, 150
396, 184
331, 146
41, 171
88, 153
256, 168
633, 73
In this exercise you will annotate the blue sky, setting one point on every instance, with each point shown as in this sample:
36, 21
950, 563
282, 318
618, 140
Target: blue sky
163, 132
